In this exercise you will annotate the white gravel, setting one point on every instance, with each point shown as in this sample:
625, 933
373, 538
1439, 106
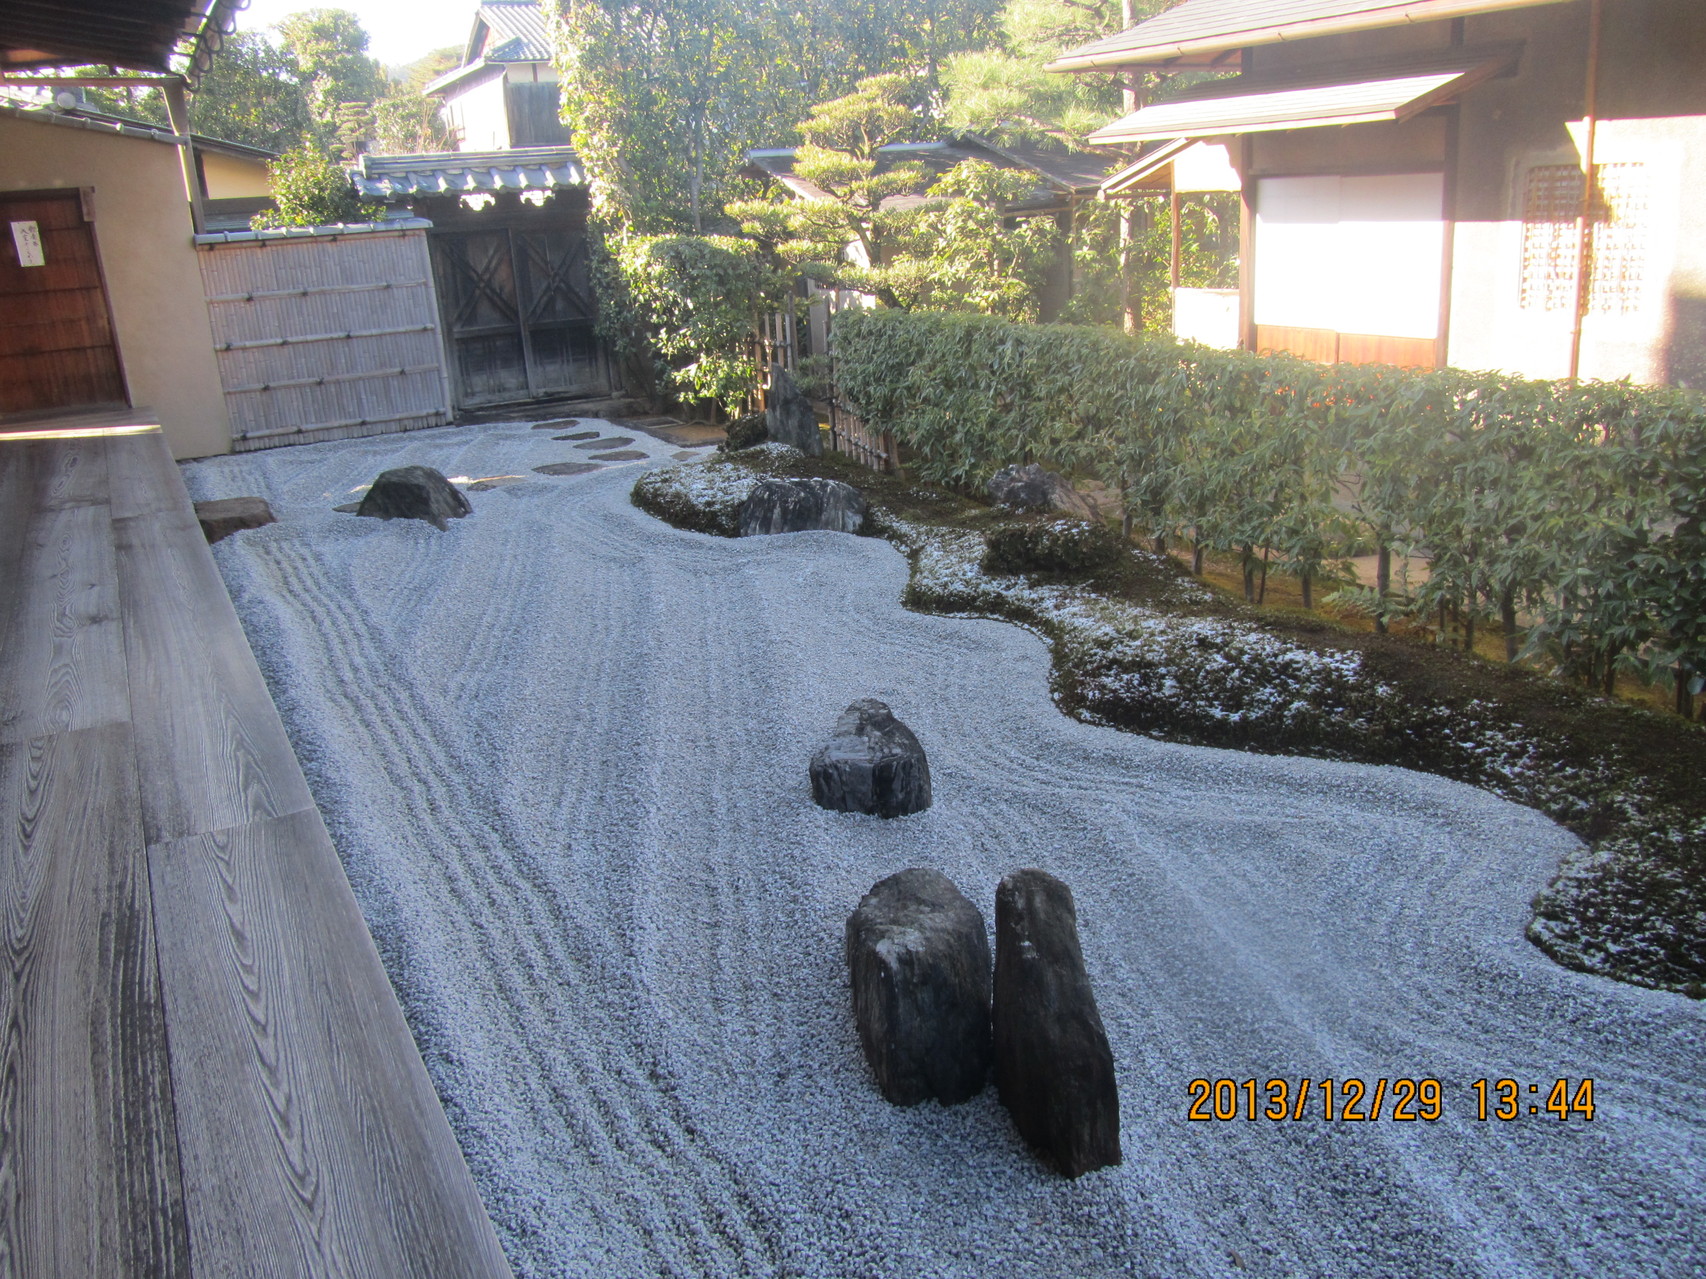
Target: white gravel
562, 748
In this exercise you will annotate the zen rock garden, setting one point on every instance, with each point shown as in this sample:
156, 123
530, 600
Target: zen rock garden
918, 955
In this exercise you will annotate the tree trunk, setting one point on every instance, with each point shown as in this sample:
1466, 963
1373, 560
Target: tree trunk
1507, 619
1196, 559
1382, 584
1308, 590
1262, 595
1684, 698
1444, 631
1160, 543
1610, 687
1469, 632
1249, 554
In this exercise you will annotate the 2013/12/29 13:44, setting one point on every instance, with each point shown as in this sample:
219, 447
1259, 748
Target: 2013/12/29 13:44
1398, 1100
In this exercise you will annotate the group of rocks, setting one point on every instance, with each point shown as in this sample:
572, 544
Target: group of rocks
933, 1025
918, 954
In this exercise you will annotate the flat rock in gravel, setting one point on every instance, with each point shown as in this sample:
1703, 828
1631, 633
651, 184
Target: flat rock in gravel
610, 442
621, 455
415, 493
224, 516
579, 435
788, 415
487, 483
872, 764
557, 424
567, 468
1053, 1066
918, 955
795, 506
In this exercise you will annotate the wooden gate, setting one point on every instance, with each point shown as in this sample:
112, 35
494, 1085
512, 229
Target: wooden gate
518, 314
56, 334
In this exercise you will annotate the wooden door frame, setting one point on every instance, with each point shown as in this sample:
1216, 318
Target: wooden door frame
85, 197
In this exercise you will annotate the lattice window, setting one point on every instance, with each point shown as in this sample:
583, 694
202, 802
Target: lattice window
1616, 238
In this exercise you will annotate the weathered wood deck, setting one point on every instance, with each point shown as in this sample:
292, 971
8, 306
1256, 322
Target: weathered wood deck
203, 1069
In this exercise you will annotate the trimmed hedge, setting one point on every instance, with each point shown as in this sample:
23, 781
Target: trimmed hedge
1582, 506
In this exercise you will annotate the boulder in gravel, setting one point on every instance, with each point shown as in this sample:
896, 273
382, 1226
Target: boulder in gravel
918, 953
1053, 1066
1031, 488
871, 764
793, 506
789, 416
415, 493
226, 515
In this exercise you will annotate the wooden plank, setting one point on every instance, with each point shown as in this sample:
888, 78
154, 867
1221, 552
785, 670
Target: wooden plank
89, 1181
294, 1067
1312, 344
146, 480
1406, 353
217, 754
62, 663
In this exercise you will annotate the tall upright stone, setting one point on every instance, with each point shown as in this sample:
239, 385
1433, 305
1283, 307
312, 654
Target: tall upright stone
1053, 1066
918, 955
789, 416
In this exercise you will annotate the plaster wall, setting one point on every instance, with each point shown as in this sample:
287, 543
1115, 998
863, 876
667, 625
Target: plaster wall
479, 116
143, 235
229, 178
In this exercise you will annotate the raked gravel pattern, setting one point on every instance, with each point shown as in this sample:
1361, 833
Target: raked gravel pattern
562, 749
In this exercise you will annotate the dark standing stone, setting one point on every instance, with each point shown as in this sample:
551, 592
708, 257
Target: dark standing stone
788, 414
918, 953
415, 493
871, 764
1053, 1066
1031, 488
224, 516
793, 506
1022, 488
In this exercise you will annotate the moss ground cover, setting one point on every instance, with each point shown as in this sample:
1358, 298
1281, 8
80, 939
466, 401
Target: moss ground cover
1140, 645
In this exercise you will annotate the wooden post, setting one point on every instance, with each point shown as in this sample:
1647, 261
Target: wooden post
1178, 237
1584, 215
177, 111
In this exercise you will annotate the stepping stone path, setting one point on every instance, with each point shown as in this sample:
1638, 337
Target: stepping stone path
579, 435
568, 468
918, 953
491, 482
683, 455
613, 442
621, 455
556, 424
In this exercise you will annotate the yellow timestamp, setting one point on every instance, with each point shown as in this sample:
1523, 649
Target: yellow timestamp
1393, 1100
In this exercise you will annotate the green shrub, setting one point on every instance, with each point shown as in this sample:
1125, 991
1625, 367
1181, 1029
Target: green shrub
1574, 505
310, 188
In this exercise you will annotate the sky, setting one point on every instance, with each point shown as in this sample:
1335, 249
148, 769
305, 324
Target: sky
401, 30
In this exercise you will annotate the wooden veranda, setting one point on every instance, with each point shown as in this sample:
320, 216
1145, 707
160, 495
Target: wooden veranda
203, 1069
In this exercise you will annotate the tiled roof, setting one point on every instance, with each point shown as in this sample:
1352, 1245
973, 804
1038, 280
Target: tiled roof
515, 32
458, 172
1200, 33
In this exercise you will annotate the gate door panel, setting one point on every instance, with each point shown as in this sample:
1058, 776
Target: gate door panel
518, 314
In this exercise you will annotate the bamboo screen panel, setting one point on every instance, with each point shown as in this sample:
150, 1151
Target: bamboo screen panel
325, 336
1617, 236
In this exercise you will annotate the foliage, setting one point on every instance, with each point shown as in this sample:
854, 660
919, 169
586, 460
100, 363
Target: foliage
251, 95
311, 189
329, 50
355, 128
1050, 546
665, 97
406, 121
1576, 507
888, 228
685, 304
